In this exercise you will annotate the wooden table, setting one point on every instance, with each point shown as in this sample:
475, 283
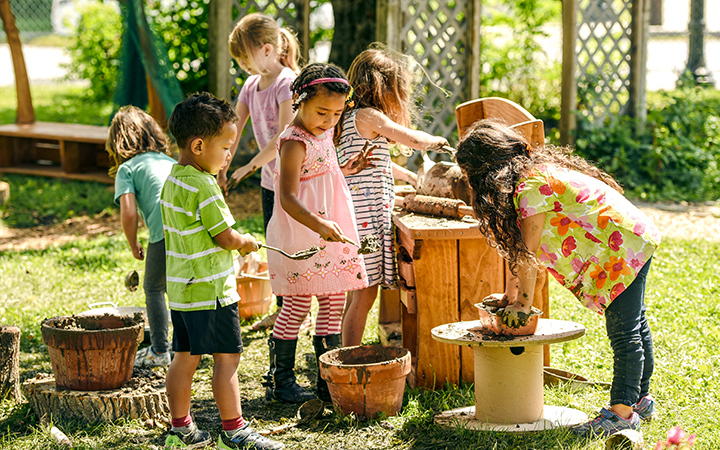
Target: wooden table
55, 150
445, 267
509, 378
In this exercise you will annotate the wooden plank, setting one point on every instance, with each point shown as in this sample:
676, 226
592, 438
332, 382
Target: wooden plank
405, 268
7, 155
57, 131
408, 297
408, 323
436, 275
70, 156
418, 227
568, 92
57, 172
389, 306
482, 272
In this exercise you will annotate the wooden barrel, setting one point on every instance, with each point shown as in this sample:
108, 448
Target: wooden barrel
93, 352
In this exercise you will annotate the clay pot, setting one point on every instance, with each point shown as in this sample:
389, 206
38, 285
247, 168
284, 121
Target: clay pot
491, 323
92, 352
366, 380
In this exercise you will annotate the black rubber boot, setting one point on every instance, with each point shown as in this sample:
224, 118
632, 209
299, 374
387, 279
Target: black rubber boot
280, 381
324, 344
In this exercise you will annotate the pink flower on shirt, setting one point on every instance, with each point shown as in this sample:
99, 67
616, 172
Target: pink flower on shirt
568, 245
577, 265
615, 241
524, 210
635, 260
546, 255
639, 228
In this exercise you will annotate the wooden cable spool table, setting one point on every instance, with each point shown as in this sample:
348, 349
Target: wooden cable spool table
509, 378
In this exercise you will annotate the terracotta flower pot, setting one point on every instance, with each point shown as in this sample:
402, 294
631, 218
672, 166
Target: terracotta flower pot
93, 352
366, 380
491, 323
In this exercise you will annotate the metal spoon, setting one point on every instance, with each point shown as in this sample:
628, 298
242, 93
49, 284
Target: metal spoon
298, 256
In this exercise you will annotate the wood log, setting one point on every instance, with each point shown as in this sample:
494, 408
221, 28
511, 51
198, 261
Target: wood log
139, 398
10, 363
435, 206
25, 111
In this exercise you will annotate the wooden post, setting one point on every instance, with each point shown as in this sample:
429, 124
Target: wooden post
638, 59
303, 26
219, 21
25, 111
472, 44
10, 363
568, 101
389, 23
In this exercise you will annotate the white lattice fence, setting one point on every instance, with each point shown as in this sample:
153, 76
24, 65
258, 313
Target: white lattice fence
435, 34
604, 41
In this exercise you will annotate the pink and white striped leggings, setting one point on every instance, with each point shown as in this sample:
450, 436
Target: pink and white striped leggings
294, 309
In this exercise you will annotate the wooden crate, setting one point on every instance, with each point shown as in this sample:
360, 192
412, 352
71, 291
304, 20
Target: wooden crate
452, 268
55, 150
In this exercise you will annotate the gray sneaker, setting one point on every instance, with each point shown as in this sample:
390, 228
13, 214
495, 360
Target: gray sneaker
147, 357
245, 439
193, 438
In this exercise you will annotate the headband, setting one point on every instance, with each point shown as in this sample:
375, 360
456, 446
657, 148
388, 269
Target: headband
324, 80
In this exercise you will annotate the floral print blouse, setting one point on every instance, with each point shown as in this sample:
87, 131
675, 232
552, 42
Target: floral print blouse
594, 241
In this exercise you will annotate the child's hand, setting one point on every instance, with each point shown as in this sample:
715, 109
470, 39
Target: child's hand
330, 231
239, 175
438, 143
361, 161
250, 244
515, 315
138, 251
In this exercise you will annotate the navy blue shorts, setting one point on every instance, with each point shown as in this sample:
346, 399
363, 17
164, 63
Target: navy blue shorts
207, 331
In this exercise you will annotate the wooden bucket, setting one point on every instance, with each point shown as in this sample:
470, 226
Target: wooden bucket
93, 352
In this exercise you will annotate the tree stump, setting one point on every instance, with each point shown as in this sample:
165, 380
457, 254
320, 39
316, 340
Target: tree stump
10, 362
4, 192
142, 397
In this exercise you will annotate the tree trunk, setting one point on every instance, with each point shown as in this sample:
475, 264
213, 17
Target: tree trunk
138, 399
355, 24
10, 362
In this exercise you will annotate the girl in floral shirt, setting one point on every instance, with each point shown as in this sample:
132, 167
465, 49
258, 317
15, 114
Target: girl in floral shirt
544, 207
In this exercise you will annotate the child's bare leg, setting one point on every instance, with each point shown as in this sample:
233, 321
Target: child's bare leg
178, 383
357, 307
225, 385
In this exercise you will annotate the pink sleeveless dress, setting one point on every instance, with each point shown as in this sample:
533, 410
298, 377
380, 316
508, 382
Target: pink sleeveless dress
338, 267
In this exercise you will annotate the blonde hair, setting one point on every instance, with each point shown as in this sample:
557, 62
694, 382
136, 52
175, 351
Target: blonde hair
255, 30
132, 132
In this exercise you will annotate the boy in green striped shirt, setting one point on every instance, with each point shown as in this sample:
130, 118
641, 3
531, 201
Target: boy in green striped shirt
201, 285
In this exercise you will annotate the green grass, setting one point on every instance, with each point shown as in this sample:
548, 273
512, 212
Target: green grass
44, 201
57, 102
682, 308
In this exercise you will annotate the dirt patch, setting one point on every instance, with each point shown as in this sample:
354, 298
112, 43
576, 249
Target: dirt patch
242, 204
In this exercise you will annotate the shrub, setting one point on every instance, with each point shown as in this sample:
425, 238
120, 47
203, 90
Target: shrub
95, 50
674, 155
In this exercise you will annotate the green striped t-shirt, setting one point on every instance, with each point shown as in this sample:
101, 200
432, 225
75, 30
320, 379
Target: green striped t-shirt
199, 272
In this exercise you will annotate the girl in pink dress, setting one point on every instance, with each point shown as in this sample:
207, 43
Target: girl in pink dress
313, 207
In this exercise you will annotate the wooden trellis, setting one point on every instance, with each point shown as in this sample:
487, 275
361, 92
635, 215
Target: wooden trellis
444, 38
604, 66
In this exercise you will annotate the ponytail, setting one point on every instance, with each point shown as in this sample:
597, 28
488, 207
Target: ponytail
289, 50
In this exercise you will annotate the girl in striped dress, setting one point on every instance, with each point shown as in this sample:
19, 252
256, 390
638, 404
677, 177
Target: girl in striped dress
381, 114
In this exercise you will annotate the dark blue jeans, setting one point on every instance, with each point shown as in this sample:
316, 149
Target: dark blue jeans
631, 342
268, 203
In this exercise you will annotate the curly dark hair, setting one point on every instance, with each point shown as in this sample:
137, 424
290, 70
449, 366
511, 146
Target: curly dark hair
313, 72
200, 115
494, 157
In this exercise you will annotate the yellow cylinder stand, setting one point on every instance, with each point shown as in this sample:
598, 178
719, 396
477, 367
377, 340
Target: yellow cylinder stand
509, 386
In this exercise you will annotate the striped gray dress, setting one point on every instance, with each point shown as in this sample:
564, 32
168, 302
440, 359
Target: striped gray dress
373, 194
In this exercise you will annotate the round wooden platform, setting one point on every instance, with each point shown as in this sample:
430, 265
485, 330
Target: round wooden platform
142, 397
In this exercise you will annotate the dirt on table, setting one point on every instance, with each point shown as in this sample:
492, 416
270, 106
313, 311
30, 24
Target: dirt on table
683, 221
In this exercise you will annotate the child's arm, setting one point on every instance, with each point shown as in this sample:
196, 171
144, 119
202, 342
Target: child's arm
128, 217
230, 239
267, 154
521, 289
370, 122
243, 113
292, 154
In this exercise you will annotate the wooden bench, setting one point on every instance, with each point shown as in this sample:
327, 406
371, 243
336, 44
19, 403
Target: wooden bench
55, 150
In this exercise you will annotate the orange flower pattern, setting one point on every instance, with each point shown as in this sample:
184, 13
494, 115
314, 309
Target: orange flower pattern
594, 240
